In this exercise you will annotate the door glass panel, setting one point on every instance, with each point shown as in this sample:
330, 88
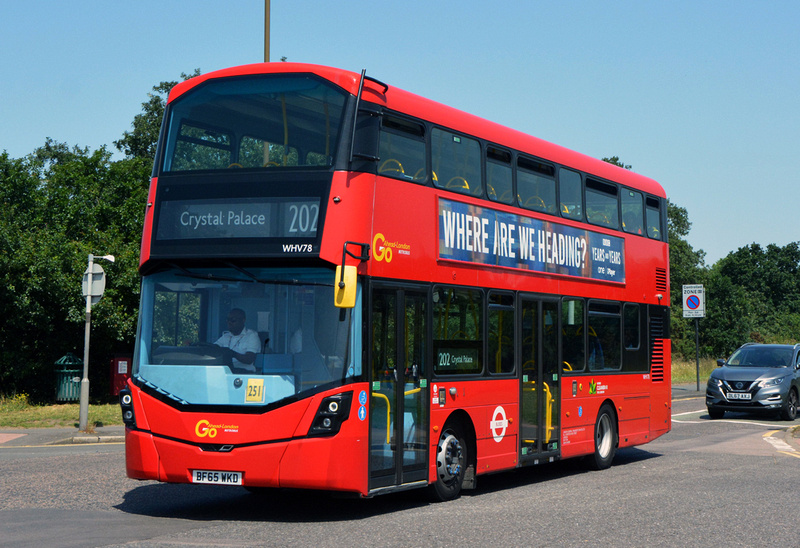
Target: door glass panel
384, 385
414, 350
541, 377
530, 376
398, 410
551, 375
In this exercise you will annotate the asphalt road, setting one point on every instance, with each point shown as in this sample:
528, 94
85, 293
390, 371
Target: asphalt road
707, 483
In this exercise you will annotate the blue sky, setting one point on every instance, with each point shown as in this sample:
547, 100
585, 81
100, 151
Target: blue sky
701, 96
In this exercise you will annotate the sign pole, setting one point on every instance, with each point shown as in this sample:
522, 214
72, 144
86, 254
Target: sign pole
694, 306
697, 349
94, 283
83, 422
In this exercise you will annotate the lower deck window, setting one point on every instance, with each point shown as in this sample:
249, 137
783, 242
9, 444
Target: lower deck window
457, 331
604, 337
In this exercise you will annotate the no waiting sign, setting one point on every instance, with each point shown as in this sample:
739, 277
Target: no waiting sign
694, 301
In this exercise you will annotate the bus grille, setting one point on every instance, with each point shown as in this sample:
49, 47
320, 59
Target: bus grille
661, 279
657, 348
657, 367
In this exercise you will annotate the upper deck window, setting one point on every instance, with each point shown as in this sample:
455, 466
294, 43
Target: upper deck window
254, 122
402, 150
601, 204
456, 162
632, 212
536, 185
499, 181
653, 209
569, 193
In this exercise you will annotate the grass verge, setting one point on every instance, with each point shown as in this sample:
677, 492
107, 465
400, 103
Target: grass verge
17, 412
684, 371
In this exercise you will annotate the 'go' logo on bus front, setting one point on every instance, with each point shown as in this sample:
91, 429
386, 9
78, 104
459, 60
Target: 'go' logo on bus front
379, 251
203, 428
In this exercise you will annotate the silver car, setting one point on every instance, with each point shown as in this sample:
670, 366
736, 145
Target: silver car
757, 377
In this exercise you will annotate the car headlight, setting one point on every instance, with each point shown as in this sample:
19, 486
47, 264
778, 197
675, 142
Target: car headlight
771, 382
714, 382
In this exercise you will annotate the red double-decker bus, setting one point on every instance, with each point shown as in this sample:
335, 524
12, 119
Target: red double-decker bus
349, 287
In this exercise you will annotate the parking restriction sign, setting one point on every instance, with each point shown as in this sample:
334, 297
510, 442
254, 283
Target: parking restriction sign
694, 302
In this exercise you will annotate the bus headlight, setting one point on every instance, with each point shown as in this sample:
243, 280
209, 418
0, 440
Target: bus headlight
126, 403
332, 412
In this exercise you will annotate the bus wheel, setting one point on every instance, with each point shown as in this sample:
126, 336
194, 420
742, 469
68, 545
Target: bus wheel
451, 463
605, 439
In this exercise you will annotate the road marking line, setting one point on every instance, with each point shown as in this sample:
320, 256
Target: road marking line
688, 413
778, 444
731, 421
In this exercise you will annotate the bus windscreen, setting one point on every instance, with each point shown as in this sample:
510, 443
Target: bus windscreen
255, 122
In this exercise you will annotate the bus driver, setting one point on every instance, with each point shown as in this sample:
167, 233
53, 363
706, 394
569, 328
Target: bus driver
243, 342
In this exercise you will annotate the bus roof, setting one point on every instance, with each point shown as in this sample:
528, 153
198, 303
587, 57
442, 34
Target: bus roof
432, 111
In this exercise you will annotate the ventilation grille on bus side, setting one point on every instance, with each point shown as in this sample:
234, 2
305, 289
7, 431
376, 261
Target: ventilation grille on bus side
657, 348
661, 279
657, 369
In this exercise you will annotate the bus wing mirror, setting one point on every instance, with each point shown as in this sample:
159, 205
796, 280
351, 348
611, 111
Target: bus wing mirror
345, 283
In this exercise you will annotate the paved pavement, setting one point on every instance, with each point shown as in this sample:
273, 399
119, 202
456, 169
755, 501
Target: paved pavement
21, 437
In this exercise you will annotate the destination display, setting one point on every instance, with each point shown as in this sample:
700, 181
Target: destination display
452, 357
238, 218
481, 235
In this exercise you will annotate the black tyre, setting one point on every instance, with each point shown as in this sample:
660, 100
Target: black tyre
605, 439
451, 463
715, 413
789, 410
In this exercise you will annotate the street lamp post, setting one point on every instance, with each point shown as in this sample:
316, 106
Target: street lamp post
94, 281
266, 31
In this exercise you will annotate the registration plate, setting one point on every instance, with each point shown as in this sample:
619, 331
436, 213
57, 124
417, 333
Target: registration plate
216, 477
738, 395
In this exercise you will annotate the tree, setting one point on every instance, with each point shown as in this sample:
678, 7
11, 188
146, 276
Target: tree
687, 266
756, 297
61, 204
141, 141
57, 205
617, 162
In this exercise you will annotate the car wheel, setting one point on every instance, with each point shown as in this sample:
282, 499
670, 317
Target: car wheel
715, 413
789, 411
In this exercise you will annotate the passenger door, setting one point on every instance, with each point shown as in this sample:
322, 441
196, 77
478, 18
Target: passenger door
541, 378
398, 403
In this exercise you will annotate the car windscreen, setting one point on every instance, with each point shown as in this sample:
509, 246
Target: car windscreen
761, 356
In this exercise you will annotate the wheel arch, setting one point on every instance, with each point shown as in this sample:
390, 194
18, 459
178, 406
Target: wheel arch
462, 418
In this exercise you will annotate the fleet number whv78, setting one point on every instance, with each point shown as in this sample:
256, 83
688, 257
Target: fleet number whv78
298, 248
